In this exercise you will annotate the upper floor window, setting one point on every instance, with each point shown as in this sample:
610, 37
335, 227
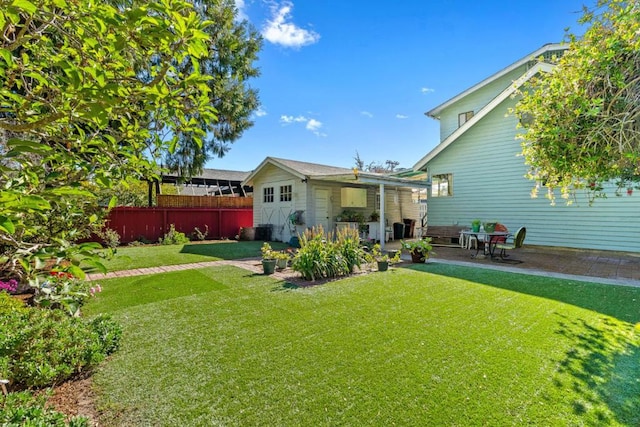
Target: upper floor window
441, 185
464, 117
286, 193
267, 194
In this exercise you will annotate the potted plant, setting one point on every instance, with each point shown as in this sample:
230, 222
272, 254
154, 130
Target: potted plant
282, 259
384, 260
375, 216
490, 227
268, 258
475, 225
418, 249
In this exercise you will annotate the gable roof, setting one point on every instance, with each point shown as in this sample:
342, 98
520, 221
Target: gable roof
435, 112
506, 93
305, 170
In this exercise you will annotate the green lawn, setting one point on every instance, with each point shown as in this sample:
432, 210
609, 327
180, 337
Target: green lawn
431, 345
128, 258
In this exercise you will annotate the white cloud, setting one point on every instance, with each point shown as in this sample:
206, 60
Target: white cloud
401, 116
260, 112
427, 90
280, 30
290, 119
311, 125
366, 114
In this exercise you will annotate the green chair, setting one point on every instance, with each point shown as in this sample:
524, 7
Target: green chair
517, 241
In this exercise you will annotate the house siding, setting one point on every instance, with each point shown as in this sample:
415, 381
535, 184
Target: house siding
398, 202
475, 102
489, 183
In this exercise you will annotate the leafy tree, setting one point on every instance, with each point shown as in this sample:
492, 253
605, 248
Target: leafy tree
582, 120
233, 48
79, 84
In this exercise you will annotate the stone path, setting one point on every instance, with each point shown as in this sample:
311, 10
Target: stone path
254, 265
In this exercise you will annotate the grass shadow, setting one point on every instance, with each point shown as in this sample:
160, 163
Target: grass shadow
620, 302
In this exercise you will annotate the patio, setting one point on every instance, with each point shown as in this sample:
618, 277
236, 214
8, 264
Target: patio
619, 266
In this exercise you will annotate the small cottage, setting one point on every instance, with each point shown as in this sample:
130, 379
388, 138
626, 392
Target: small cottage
291, 196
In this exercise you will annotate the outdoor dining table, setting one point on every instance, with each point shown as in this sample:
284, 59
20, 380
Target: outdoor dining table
485, 237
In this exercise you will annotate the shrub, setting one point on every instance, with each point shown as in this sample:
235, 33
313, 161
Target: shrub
64, 291
200, 235
173, 237
24, 409
110, 238
327, 256
40, 348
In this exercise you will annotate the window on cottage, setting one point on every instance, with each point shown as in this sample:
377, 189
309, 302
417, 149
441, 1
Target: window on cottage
464, 117
441, 185
286, 193
267, 194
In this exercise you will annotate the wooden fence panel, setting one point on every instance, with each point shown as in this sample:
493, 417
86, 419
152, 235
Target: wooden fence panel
134, 223
219, 202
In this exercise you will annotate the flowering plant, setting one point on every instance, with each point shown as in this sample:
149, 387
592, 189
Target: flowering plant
64, 291
267, 252
9, 286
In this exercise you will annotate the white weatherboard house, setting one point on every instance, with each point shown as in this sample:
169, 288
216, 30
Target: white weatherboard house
313, 194
476, 172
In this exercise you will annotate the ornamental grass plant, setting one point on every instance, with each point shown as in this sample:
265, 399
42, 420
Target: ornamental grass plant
324, 255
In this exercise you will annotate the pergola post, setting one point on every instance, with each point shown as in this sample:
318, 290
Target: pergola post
382, 220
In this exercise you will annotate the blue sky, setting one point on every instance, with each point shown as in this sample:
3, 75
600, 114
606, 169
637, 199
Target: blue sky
346, 76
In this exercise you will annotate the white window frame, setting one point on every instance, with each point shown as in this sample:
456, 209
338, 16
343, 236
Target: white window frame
268, 194
286, 193
442, 185
464, 117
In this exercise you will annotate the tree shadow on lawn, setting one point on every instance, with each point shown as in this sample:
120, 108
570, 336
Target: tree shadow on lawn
621, 302
601, 369
230, 249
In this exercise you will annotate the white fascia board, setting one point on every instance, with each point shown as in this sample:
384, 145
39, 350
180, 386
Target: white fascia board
539, 67
435, 112
366, 179
270, 160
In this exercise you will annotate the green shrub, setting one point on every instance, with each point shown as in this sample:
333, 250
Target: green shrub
173, 237
110, 238
39, 347
24, 409
62, 290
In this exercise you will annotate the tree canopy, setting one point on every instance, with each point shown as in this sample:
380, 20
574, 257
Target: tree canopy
80, 82
233, 48
582, 119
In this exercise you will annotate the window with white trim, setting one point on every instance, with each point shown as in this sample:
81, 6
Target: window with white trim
442, 185
267, 194
464, 117
286, 193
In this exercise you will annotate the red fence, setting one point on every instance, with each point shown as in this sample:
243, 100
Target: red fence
152, 223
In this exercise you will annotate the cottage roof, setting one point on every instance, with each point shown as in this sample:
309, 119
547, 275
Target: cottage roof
305, 170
